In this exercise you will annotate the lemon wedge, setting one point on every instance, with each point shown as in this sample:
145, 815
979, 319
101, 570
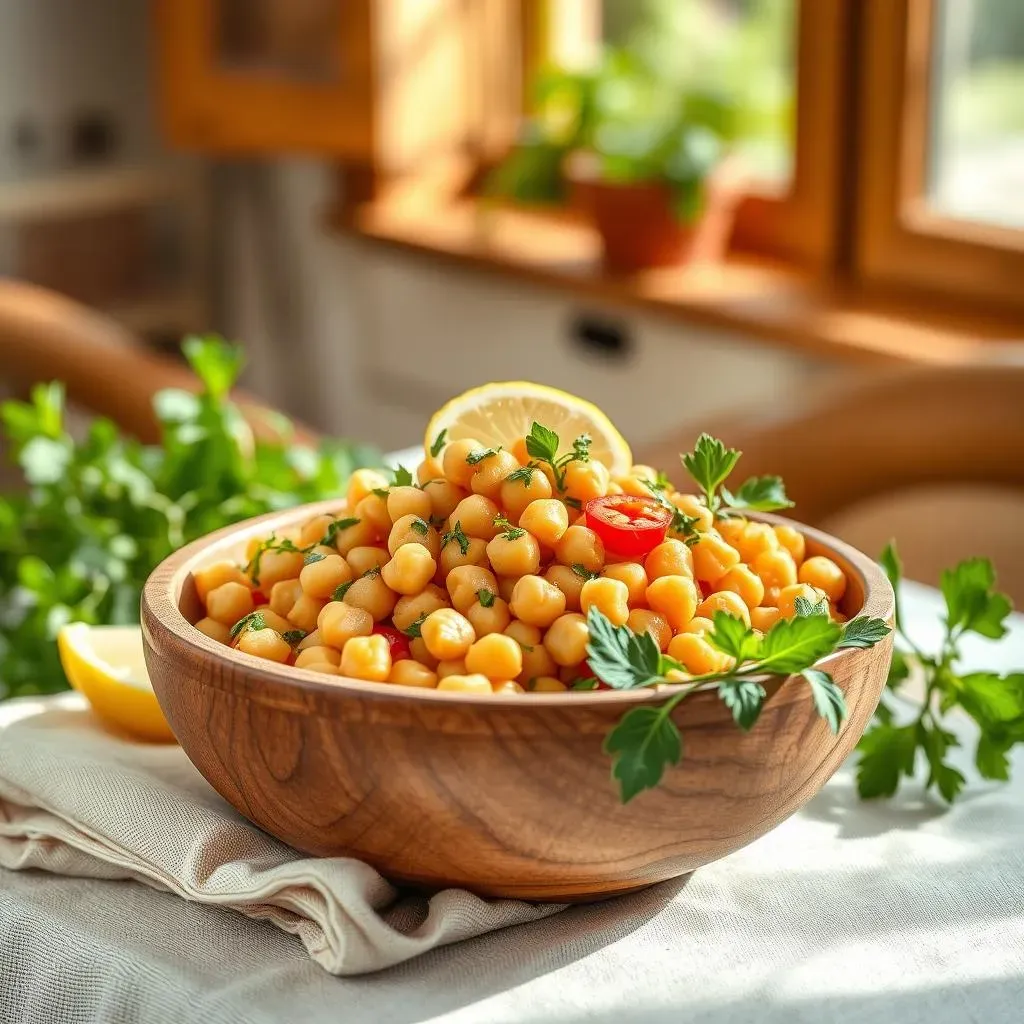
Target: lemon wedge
107, 666
500, 414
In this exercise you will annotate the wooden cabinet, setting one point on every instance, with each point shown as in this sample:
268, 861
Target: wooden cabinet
386, 82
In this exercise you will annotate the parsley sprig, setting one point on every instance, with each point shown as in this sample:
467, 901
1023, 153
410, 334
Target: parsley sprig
507, 529
711, 463
647, 741
456, 535
896, 742
542, 444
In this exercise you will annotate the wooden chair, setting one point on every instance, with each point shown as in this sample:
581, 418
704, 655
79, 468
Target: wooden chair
931, 457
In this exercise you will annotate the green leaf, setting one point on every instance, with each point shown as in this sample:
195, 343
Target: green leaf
523, 475
949, 780
479, 454
803, 607
341, 590
507, 529
335, 527
899, 669
792, 645
485, 597
864, 631
175, 405
415, 628
44, 461
313, 556
971, 602
886, 752
991, 699
216, 363
253, 621
643, 744
990, 758
294, 636
438, 445
890, 562
828, 698
618, 656
458, 535
581, 448
732, 636
542, 443
758, 494
401, 477
421, 526
584, 683
583, 572
710, 464
744, 698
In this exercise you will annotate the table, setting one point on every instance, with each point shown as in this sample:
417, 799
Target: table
845, 913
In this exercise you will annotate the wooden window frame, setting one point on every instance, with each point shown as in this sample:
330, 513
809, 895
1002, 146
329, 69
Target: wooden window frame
901, 243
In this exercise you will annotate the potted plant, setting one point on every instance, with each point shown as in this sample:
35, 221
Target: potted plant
645, 163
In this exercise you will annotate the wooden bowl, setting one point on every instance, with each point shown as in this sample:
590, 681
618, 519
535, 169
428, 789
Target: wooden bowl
506, 795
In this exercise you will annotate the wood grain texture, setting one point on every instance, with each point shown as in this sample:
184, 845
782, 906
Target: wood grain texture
506, 796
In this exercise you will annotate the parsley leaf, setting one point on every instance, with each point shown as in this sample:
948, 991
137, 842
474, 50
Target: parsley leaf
415, 628
313, 556
584, 683
341, 590
731, 636
573, 502
890, 562
583, 572
744, 698
863, 631
252, 569
253, 621
581, 448
990, 757
458, 535
886, 752
643, 744
710, 464
479, 454
438, 445
972, 602
758, 494
524, 475
421, 526
803, 607
294, 636
506, 529
792, 645
828, 698
542, 443
402, 477
992, 700
619, 657
334, 528
486, 597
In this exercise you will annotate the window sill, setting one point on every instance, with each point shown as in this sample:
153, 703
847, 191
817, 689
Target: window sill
767, 299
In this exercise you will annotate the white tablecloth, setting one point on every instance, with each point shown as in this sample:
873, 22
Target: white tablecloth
847, 913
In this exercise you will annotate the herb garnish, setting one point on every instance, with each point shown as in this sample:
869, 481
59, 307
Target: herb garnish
485, 597
479, 454
252, 621
507, 529
334, 528
583, 572
421, 526
414, 629
456, 534
402, 477
435, 448
710, 464
542, 444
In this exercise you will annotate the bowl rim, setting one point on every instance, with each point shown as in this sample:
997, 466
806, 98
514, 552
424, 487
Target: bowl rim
162, 590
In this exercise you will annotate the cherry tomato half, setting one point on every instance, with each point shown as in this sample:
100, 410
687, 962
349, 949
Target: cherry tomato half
398, 642
629, 526
258, 598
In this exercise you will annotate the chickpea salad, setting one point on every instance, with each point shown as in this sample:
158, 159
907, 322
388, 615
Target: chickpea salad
534, 566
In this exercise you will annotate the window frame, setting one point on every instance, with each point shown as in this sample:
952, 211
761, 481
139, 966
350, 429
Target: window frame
900, 243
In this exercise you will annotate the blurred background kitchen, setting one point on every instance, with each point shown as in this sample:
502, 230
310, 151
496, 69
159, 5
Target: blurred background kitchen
684, 210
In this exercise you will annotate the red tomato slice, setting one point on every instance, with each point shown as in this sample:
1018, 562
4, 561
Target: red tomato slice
258, 598
397, 641
629, 526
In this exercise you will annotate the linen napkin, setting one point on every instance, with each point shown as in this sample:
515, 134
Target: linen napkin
77, 800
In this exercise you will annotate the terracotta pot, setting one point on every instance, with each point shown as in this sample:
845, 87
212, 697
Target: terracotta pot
638, 227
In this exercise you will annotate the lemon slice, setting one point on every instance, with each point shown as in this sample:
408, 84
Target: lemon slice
500, 414
106, 665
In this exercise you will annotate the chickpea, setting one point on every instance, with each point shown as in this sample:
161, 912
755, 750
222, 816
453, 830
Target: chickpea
421, 654
611, 597
670, 558
491, 472
305, 612
322, 577
536, 601
450, 667
311, 639
579, 545
568, 581
771, 597
452, 555
675, 597
699, 625
283, 596
464, 582
546, 684
633, 485
793, 541
447, 634
362, 560
489, 618
764, 618
360, 534
265, 643
712, 557
411, 673
536, 659
408, 501
732, 530
215, 630
444, 498
724, 601
614, 488
453, 459
566, 640
363, 482
755, 539
742, 580
414, 530
514, 554
217, 575
429, 469
641, 471
338, 622
506, 686
323, 668
519, 490
691, 505
518, 449
410, 570
547, 519
373, 595
825, 575
476, 515
586, 480
496, 656
697, 654
632, 574
775, 569
311, 655
466, 684
373, 509
229, 602
506, 585
643, 620
273, 621
275, 566
367, 657
788, 597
